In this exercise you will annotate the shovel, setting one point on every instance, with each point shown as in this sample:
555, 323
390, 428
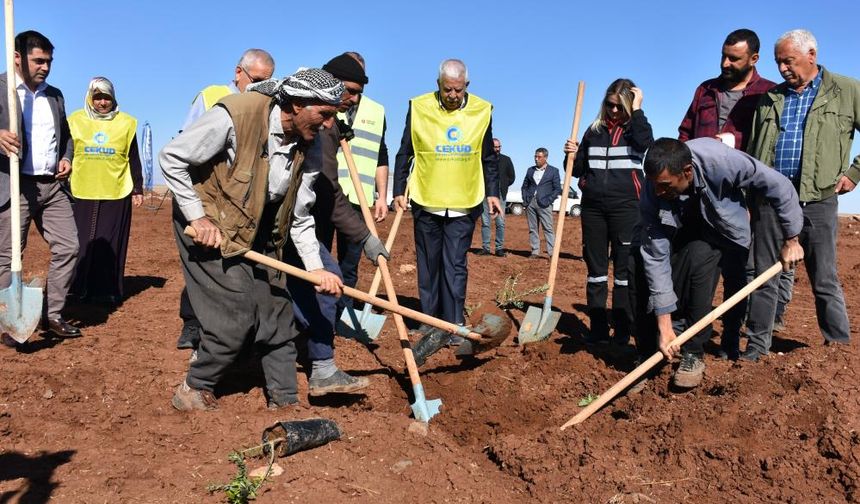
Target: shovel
364, 326
423, 409
494, 324
539, 323
682, 338
20, 305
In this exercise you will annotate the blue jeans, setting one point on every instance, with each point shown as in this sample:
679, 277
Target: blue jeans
314, 311
500, 227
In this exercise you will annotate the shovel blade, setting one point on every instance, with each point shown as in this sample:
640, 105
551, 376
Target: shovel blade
424, 409
363, 326
20, 309
538, 324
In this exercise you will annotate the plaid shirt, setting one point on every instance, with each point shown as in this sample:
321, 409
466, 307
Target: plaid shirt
789, 144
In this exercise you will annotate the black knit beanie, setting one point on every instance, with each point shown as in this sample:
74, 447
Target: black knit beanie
346, 68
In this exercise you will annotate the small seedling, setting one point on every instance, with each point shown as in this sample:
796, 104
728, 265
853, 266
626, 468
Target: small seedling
242, 488
585, 401
508, 295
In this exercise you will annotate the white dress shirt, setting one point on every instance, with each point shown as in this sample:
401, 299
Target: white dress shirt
41, 157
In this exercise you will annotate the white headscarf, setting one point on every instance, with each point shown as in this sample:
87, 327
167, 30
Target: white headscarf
100, 85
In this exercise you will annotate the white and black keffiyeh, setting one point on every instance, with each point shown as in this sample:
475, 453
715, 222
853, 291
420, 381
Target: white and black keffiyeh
307, 83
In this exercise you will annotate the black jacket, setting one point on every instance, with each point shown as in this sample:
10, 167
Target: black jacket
507, 175
609, 163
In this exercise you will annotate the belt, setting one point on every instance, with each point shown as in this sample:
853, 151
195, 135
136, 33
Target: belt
40, 178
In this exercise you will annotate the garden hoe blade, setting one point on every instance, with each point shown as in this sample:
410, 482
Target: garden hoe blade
539, 323
20, 308
423, 409
363, 326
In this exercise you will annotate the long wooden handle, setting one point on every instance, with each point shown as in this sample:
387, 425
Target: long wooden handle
402, 332
392, 237
14, 161
680, 340
562, 211
357, 294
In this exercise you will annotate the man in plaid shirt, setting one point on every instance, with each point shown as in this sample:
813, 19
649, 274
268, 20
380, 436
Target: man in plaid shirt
804, 128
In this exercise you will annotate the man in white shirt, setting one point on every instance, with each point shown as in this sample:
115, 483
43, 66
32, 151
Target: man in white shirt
45, 149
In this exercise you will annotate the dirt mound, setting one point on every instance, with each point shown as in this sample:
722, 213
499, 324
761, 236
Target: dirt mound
89, 420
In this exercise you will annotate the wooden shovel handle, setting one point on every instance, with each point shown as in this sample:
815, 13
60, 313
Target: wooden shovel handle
357, 294
389, 243
14, 160
565, 190
680, 340
402, 332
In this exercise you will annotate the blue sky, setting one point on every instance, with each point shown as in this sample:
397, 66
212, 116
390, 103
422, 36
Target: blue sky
524, 57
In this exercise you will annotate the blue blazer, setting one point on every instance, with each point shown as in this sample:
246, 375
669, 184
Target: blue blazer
547, 191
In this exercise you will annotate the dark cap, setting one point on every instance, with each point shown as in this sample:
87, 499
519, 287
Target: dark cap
346, 68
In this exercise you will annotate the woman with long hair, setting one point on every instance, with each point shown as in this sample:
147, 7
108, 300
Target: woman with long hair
608, 165
105, 182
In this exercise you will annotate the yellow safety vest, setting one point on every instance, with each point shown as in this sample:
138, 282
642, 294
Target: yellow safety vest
367, 125
448, 172
100, 168
212, 94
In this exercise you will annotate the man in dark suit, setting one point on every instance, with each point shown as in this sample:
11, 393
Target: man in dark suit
541, 187
506, 179
45, 150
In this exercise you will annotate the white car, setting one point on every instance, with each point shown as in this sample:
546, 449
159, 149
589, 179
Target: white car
514, 203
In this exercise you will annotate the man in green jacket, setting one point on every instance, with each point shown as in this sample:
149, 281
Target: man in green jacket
804, 128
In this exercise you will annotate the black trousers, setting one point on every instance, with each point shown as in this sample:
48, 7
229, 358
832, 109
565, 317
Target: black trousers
607, 230
239, 302
441, 244
695, 272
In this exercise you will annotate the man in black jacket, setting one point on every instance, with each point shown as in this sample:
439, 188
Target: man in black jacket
506, 179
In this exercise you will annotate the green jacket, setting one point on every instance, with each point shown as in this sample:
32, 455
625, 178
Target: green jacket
830, 125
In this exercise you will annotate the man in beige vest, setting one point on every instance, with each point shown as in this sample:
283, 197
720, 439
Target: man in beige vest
238, 200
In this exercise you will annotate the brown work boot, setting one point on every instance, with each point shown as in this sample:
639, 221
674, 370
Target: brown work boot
690, 372
187, 399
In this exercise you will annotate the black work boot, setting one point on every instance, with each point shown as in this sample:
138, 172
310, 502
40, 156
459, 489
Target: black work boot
622, 328
431, 343
598, 328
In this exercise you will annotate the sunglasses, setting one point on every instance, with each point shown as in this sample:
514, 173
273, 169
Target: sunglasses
250, 77
612, 106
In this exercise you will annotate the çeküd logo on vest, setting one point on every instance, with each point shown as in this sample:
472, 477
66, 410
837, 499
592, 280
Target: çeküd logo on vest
100, 138
453, 135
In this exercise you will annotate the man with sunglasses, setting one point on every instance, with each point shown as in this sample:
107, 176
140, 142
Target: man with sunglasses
255, 65
336, 208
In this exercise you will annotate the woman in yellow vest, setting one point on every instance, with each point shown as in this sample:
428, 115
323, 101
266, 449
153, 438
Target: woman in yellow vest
106, 180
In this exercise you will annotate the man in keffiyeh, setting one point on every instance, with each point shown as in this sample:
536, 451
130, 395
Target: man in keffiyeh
238, 178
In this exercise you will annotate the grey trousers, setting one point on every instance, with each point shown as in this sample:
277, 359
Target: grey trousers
543, 216
239, 302
818, 239
45, 202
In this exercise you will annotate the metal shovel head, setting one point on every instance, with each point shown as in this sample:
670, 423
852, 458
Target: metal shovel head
423, 409
20, 308
539, 323
493, 324
363, 326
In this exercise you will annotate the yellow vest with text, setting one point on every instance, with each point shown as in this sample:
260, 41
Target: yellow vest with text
100, 168
367, 125
212, 94
447, 143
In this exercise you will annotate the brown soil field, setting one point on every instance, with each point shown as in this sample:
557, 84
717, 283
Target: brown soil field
89, 420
